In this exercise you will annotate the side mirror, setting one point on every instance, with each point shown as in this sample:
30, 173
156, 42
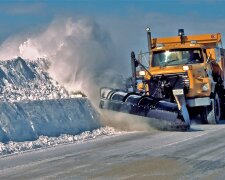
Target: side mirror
208, 60
133, 58
208, 56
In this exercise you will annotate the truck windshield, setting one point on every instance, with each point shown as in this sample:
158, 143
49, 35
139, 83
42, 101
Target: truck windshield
177, 57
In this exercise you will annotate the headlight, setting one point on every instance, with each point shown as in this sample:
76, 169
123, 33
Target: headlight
185, 68
141, 73
205, 87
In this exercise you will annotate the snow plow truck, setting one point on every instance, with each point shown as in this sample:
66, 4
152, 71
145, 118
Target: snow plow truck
184, 77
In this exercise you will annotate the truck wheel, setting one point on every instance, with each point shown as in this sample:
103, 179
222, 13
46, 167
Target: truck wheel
211, 114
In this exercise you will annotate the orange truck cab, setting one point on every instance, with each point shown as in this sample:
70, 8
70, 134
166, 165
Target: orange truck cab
188, 70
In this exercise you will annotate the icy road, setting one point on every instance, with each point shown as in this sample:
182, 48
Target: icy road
199, 153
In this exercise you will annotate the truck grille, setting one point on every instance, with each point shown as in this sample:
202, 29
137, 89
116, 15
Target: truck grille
161, 86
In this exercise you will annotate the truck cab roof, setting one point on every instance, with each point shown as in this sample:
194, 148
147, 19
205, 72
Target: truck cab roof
191, 41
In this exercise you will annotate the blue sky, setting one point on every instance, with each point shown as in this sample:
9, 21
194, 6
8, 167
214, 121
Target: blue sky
117, 27
164, 16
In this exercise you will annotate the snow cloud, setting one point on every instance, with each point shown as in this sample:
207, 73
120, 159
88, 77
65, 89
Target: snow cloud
81, 53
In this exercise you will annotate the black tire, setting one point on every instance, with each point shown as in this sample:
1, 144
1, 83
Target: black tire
222, 105
211, 114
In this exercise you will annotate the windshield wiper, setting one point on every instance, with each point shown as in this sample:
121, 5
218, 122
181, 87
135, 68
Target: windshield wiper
166, 63
193, 61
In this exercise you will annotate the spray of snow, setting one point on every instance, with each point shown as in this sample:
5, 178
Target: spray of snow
80, 51
126, 122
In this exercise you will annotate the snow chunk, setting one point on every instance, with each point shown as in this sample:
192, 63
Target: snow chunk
45, 141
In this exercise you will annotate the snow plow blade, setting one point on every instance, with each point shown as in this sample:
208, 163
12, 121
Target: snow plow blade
135, 104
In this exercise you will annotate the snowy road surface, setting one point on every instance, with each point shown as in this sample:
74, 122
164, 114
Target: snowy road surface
199, 154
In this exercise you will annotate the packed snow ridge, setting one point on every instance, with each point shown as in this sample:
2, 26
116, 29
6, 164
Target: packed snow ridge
45, 141
28, 80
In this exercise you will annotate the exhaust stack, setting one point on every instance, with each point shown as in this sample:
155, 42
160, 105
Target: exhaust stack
134, 65
149, 36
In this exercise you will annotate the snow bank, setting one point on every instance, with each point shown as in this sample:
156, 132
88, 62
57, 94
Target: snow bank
27, 120
32, 104
28, 80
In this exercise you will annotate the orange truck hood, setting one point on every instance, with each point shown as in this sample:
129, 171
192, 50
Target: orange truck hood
167, 70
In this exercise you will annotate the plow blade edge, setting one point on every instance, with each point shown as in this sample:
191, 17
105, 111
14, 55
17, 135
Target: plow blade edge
135, 104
